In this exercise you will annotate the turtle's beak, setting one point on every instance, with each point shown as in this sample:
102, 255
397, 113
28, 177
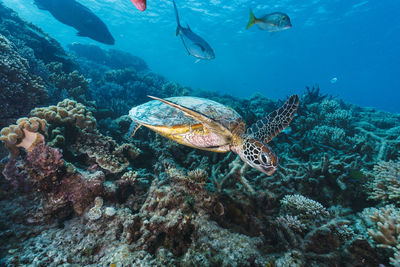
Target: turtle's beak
268, 170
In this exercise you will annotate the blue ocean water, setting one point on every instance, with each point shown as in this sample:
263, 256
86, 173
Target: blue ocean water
355, 41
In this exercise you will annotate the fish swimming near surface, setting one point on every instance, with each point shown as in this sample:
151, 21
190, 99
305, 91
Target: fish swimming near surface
273, 22
140, 4
194, 44
78, 16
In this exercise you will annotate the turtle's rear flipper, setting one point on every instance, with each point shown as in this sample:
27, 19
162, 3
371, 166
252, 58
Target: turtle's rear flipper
203, 119
135, 128
274, 123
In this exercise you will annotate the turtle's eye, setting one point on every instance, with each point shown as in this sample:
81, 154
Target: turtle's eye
265, 159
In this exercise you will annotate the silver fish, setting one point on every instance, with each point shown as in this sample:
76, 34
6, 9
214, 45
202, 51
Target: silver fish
194, 44
273, 22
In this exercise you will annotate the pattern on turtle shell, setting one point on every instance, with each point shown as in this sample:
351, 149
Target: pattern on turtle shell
157, 113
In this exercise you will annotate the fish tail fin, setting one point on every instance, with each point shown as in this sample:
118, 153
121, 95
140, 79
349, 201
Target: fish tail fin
252, 20
40, 4
176, 15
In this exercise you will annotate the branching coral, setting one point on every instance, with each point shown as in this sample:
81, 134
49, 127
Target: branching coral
387, 227
235, 174
74, 83
384, 228
385, 185
307, 210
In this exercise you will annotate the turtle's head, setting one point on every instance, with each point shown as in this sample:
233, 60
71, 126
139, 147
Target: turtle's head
258, 155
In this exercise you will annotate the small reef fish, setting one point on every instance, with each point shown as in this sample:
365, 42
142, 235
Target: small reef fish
139, 4
334, 80
273, 22
194, 44
79, 17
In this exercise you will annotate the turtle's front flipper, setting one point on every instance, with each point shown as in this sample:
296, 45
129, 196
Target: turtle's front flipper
203, 119
270, 126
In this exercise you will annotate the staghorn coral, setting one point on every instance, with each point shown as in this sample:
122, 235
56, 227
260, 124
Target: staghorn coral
395, 260
27, 133
383, 228
385, 185
386, 229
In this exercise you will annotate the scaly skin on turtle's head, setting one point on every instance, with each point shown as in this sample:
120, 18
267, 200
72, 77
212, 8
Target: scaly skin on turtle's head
252, 146
258, 155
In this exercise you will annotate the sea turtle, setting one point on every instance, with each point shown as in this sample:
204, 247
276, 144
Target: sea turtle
208, 125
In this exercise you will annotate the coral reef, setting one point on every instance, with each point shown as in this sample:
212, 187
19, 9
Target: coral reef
385, 185
72, 117
112, 58
383, 228
24, 51
77, 189
20, 90
74, 84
